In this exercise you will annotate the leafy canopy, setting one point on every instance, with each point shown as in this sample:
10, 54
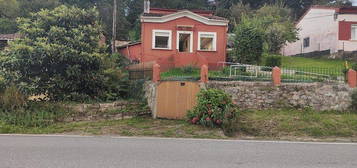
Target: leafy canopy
58, 54
277, 26
265, 30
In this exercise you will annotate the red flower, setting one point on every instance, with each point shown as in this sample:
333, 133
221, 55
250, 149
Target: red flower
208, 119
194, 120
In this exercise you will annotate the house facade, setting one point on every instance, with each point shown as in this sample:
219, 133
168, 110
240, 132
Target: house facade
176, 38
327, 29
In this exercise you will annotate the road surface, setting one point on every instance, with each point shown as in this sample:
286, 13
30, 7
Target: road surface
121, 152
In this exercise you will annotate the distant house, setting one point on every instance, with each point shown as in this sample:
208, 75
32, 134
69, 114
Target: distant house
177, 38
325, 29
5, 38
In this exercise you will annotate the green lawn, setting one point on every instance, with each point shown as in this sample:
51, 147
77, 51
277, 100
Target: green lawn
318, 66
309, 69
181, 73
310, 62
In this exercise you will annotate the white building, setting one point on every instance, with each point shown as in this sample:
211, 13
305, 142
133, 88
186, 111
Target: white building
325, 29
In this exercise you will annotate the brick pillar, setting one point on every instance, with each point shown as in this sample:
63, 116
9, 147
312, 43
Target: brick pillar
276, 75
352, 78
156, 73
204, 73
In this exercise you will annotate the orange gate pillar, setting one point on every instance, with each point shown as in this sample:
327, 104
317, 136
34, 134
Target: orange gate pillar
276, 75
204, 73
156, 73
352, 78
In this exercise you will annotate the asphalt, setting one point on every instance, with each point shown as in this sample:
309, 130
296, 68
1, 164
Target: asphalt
18, 151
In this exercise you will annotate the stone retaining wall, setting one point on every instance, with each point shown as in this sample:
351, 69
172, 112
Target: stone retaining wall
262, 95
114, 110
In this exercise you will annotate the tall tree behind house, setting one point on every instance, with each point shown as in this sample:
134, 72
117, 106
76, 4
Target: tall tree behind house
130, 10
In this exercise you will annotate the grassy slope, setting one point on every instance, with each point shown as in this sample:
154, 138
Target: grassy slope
269, 124
280, 123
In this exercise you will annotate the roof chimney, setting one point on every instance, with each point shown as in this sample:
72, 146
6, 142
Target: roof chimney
354, 2
146, 6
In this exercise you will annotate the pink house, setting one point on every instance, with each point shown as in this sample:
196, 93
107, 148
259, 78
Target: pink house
324, 28
177, 38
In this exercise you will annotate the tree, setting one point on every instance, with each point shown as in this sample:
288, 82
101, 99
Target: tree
277, 25
7, 26
9, 8
58, 55
248, 41
8, 12
238, 10
28, 6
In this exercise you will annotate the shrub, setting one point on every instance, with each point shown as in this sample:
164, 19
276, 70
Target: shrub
248, 44
354, 101
273, 61
136, 90
12, 98
115, 78
230, 126
189, 69
354, 66
2, 85
214, 109
226, 70
58, 55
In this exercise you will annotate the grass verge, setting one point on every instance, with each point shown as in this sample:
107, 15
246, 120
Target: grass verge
296, 123
137, 126
267, 124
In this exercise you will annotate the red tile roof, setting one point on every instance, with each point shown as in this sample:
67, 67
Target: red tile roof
347, 10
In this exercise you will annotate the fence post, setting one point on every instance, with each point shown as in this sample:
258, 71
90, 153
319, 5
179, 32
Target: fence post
204, 73
276, 75
352, 78
156, 73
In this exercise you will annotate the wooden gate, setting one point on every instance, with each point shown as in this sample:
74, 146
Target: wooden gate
175, 98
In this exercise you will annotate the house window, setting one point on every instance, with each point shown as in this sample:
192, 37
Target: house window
161, 39
207, 41
354, 32
306, 42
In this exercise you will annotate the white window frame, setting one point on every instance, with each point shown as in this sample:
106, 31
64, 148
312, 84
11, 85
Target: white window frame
214, 41
154, 39
354, 26
178, 39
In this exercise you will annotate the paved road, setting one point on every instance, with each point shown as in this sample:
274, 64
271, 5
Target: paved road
111, 152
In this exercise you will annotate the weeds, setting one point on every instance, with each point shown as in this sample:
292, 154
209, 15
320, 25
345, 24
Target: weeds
34, 114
